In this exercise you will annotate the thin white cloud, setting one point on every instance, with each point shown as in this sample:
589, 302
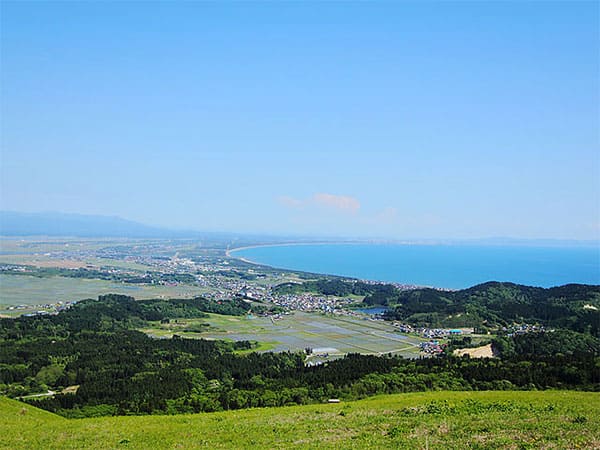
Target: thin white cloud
290, 202
332, 202
338, 202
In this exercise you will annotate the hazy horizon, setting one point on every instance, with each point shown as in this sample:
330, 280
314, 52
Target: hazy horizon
405, 120
55, 219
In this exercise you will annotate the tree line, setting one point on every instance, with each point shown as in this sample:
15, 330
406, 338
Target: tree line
117, 370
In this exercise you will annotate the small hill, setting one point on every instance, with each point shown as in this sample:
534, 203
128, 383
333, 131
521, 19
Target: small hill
572, 306
548, 419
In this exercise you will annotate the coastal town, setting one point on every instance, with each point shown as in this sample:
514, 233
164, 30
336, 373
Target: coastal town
165, 269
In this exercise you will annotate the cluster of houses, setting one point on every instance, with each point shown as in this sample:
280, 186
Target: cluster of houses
311, 302
523, 329
432, 347
41, 310
14, 268
432, 333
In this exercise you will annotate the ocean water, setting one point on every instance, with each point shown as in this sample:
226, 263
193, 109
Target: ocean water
446, 266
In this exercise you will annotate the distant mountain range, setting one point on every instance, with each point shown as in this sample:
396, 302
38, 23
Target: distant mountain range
79, 225
13, 223
57, 224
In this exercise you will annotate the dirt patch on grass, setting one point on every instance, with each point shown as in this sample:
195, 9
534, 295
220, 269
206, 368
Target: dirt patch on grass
70, 389
484, 351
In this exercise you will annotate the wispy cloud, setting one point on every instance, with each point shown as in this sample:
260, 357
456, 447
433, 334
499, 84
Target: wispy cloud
290, 202
332, 202
339, 202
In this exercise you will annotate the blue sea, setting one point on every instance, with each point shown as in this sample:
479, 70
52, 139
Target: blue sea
444, 266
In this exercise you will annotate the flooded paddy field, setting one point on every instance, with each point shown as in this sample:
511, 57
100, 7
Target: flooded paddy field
333, 335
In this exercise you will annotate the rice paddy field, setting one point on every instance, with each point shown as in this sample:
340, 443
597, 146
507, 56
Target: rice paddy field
432, 420
64, 252
333, 335
28, 290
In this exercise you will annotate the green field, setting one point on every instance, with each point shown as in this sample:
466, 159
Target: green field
28, 290
48, 261
435, 420
335, 335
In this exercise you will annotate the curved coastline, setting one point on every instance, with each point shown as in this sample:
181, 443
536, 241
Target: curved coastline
228, 252
464, 277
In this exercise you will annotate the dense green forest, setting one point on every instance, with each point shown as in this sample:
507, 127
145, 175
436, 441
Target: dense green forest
559, 342
337, 287
492, 305
486, 306
122, 371
112, 312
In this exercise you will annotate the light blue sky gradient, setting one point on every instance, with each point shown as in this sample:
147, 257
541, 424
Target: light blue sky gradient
396, 119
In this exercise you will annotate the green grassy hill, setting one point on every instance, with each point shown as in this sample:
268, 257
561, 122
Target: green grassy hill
548, 419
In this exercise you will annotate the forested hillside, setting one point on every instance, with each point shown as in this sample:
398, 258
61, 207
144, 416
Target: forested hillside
96, 364
337, 287
486, 306
491, 305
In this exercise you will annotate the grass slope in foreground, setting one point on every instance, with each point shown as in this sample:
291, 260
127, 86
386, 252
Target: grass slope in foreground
549, 419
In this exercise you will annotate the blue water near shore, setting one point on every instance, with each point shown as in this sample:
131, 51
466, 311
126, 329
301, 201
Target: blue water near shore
448, 266
372, 311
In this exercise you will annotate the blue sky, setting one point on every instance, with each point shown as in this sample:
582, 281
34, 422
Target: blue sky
394, 119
